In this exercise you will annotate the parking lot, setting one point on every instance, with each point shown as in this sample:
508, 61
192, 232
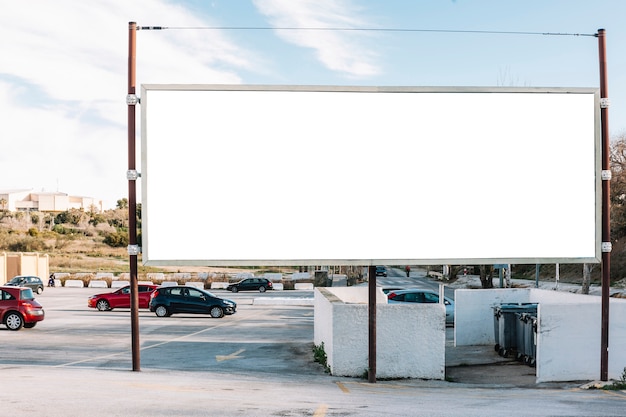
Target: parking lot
258, 362
73, 335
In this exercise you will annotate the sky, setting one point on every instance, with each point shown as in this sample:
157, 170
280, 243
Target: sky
64, 65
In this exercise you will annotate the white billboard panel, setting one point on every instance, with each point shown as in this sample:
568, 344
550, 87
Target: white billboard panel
271, 175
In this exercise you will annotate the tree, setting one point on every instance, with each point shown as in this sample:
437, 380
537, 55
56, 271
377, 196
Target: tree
486, 276
618, 187
587, 268
3, 203
122, 203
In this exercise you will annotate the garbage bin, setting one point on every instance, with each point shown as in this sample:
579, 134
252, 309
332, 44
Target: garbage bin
530, 336
505, 325
520, 336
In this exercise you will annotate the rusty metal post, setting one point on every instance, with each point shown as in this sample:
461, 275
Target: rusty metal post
131, 101
606, 206
371, 278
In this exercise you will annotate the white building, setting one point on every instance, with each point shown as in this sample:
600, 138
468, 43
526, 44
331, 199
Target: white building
27, 200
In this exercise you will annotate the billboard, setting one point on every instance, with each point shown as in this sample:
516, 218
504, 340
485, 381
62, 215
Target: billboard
327, 175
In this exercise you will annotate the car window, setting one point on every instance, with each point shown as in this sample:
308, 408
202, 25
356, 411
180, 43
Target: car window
413, 297
195, 293
176, 291
27, 294
125, 290
399, 297
431, 298
144, 288
6, 296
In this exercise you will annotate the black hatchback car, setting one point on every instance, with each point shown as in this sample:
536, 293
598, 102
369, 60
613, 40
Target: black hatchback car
28, 281
165, 301
251, 284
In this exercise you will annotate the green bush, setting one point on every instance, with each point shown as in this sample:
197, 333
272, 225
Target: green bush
319, 356
116, 239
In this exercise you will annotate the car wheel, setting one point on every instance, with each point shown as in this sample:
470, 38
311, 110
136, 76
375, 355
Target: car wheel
234, 289
261, 289
217, 312
14, 321
39, 290
103, 305
30, 325
161, 311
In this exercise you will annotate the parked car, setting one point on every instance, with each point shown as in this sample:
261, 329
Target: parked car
121, 298
165, 301
422, 296
18, 308
381, 271
32, 282
251, 284
387, 290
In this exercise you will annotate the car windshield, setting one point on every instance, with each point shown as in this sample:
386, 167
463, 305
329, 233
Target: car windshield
27, 294
15, 280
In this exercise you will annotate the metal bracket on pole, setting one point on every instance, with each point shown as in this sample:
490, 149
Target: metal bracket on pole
606, 175
605, 103
132, 99
607, 247
133, 250
132, 175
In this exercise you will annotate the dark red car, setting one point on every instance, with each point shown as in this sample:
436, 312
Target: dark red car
121, 298
18, 308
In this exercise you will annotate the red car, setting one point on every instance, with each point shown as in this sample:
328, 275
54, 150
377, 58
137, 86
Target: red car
121, 298
18, 308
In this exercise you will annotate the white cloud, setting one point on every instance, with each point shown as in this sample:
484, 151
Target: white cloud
63, 85
338, 50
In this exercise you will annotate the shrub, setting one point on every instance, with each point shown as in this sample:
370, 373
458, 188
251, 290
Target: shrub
319, 356
116, 239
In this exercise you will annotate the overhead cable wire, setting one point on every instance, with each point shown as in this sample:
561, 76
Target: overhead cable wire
338, 29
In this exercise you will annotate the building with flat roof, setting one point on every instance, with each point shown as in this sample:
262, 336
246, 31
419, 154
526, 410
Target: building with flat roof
27, 200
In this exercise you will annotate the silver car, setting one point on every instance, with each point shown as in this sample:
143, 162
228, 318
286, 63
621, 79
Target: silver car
422, 296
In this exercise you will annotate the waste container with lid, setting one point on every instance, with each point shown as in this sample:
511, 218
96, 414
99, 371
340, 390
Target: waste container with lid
505, 325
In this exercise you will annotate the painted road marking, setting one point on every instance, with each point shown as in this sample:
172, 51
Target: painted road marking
235, 355
321, 411
343, 388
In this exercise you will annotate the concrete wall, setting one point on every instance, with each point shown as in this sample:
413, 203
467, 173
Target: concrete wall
569, 330
27, 263
410, 338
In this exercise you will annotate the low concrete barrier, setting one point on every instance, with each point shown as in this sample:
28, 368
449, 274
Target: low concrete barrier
169, 283
219, 285
119, 284
284, 301
99, 283
195, 284
74, 283
145, 283
304, 286
278, 286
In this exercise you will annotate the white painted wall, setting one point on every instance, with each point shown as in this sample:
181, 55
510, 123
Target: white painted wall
473, 313
410, 338
569, 330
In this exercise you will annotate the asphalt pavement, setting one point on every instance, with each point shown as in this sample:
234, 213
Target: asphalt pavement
181, 375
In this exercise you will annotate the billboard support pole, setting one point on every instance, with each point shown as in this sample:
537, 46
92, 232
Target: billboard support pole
131, 174
606, 205
371, 278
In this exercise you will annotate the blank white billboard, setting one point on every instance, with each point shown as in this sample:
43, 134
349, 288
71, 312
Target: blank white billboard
297, 175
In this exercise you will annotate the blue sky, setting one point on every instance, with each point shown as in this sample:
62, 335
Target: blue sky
63, 73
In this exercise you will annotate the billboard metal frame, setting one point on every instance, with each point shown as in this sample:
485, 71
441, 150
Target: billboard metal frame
164, 178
